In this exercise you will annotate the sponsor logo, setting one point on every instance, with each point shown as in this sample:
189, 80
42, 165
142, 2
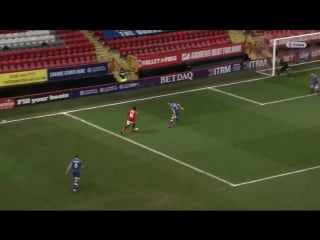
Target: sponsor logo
254, 64
108, 89
129, 85
155, 61
220, 70
236, 67
6, 103
128, 33
77, 71
24, 77
296, 44
96, 69
88, 92
303, 56
67, 72
41, 99
213, 52
288, 58
23, 101
176, 77
185, 56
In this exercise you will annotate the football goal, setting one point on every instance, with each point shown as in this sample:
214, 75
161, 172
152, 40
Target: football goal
299, 51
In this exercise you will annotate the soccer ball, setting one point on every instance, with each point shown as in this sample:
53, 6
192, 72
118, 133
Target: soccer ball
136, 129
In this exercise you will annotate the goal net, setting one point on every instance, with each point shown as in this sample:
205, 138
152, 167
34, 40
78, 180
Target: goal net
300, 51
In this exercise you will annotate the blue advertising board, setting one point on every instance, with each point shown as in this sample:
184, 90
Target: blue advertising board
114, 34
103, 89
76, 72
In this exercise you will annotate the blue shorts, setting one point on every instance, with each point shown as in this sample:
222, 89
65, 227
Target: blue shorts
76, 174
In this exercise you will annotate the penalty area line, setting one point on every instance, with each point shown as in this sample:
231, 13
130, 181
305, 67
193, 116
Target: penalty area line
149, 149
277, 176
235, 96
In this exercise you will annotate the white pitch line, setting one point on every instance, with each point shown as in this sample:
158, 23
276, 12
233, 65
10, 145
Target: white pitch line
101, 106
276, 176
29, 118
138, 99
236, 96
124, 102
150, 149
239, 82
287, 99
263, 73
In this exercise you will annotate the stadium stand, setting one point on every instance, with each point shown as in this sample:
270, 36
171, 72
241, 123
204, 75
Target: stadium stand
166, 42
22, 50
153, 43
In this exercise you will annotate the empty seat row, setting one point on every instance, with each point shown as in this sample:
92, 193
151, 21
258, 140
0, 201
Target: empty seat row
70, 34
164, 37
89, 55
56, 50
166, 49
46, 64
177, 45
212, 39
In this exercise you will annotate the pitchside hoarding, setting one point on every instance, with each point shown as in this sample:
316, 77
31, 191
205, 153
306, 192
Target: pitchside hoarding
76, 72
181, 57
42, 98
141, 83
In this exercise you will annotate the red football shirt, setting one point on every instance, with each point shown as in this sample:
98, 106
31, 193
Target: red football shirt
131, 115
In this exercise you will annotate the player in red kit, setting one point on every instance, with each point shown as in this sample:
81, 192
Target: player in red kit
131, 120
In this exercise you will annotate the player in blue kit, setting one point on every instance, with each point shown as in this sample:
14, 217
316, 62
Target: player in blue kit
175, 112
314, 83
75, 166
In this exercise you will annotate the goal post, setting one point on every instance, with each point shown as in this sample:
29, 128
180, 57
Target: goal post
296, 49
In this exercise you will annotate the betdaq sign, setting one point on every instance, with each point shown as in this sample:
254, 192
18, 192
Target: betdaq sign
76, 72
176, 77
41, 98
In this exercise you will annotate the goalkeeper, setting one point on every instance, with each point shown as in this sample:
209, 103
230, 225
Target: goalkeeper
285, 69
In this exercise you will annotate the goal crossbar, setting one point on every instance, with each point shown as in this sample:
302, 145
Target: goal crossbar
281, 41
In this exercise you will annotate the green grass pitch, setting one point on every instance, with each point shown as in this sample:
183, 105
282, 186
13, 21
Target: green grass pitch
240, 145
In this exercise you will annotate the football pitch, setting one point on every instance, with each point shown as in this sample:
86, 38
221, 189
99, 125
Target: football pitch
244, 142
